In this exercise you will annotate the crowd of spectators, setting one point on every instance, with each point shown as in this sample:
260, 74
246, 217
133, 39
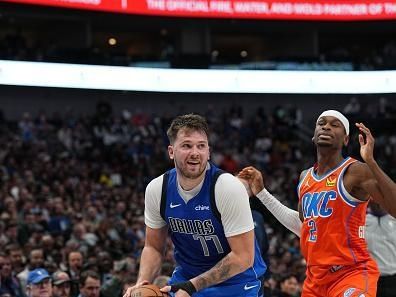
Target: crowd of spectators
72, 187
14, 45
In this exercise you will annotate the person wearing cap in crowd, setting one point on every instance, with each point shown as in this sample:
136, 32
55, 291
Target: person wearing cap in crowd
39, 283
61, 284
333, 197
34, 260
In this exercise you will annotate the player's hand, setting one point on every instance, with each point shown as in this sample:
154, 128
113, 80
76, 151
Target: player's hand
366, 141
253, 177
247, 186
137, 285
179, 293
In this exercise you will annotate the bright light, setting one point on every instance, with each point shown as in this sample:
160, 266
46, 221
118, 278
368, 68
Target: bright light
215, 53
60, 75
112, 41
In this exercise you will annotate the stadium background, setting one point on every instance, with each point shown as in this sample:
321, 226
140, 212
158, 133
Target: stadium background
74, 162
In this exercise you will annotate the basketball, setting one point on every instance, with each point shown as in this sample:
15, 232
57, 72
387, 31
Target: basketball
148, 291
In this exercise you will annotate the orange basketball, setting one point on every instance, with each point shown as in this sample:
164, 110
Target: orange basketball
148, 291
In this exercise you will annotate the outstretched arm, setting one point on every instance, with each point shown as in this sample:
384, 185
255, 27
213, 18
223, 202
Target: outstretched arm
285, 215
378, 184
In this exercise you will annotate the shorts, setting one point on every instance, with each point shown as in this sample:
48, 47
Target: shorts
358, 280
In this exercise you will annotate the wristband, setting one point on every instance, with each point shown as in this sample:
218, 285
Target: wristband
185, 286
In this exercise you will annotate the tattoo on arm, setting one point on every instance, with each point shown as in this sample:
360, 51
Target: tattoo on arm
222, 271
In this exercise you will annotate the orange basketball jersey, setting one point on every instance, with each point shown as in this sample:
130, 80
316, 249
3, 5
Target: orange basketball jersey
333, 228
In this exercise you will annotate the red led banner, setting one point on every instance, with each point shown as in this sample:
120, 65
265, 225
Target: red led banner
255, 9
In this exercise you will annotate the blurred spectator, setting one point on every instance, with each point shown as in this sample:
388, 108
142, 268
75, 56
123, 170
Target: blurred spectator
89, 284
14, 251
61, 284
352, 109
81, 238
59, 222
39, 283
8, 283
35, 260
380, 236
75, 263
288, 286
105, 265
114, 287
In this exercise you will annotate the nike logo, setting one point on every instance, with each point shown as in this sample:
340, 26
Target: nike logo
174, 205
249, 287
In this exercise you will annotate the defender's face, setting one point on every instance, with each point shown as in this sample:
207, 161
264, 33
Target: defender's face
190, 152
330, 132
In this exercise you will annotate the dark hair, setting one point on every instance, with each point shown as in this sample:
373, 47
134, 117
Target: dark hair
286, 276
88, 273
12, 247
189, 122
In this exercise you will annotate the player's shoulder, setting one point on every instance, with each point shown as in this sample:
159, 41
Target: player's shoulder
304, 173
358, 168
155, 184
228, 182
227, 178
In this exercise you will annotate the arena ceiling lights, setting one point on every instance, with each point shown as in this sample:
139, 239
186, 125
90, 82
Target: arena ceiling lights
333, 10
38, 74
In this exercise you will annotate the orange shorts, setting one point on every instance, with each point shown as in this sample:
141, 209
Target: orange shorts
358, 280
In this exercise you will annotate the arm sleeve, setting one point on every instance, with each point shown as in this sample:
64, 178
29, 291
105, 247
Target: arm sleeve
232, 202
152, 201
286, 216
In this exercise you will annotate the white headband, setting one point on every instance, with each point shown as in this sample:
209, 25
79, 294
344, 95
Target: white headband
338, 115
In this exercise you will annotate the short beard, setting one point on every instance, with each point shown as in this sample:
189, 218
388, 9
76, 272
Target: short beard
188, 175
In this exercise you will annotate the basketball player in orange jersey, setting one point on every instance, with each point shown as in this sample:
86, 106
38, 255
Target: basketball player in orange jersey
333, 196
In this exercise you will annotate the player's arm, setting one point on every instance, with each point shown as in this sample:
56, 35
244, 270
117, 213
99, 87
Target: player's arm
238, 260
233, 204
152, 254
375, 181
288, 217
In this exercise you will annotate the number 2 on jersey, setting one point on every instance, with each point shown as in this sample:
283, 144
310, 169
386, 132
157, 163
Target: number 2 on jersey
312, 231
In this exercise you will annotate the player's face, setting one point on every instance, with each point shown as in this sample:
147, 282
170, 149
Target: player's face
190, 152
330, 132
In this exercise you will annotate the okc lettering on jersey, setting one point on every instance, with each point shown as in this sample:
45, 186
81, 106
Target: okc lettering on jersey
316, 204
197, 227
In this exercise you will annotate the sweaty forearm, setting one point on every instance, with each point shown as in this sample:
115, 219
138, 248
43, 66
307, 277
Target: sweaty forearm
386, 185
226, 268
150, 264
286, 216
